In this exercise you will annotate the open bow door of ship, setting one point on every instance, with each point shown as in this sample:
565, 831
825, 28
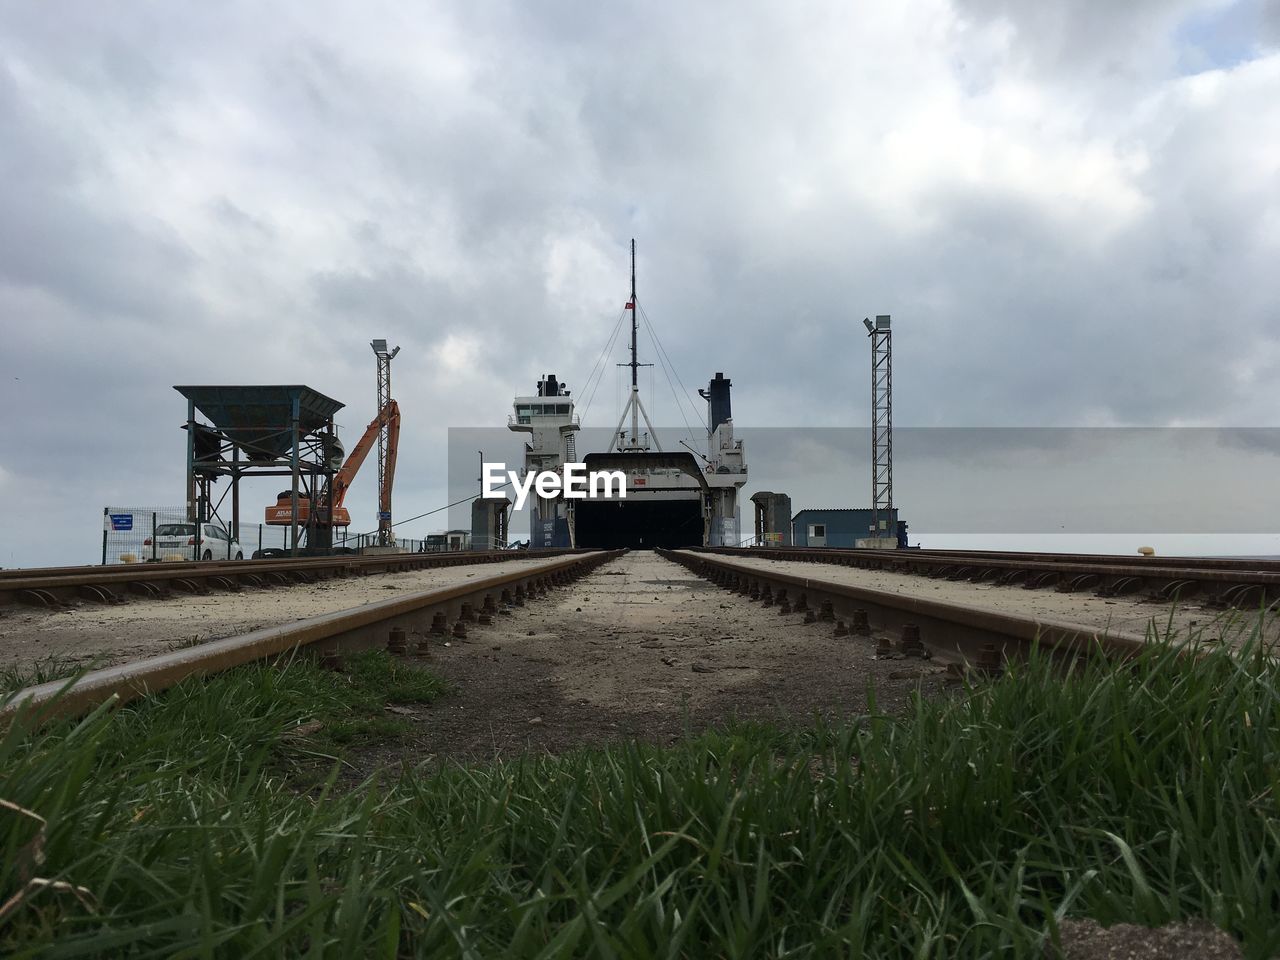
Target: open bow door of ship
664, 506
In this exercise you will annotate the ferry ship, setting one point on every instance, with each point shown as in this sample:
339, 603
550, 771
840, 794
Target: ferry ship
675, 497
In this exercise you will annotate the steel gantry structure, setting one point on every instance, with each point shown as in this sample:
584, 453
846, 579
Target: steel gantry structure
386, 445
881, 425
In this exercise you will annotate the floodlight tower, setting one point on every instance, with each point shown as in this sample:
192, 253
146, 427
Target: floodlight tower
385, 538
881, 423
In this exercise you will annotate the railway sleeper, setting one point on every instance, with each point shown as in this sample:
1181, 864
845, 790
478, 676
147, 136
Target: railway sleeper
1239, 596
1120, 586
146, 588
1174, 590
1082, 581
1036, 580
91, 591
35, 597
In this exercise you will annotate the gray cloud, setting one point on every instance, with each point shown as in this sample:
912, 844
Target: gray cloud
100, 263
1112, 42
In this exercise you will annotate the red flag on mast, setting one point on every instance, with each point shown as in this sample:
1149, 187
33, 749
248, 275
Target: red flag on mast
631, 305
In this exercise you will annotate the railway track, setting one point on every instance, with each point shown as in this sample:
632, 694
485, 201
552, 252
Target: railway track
55, 586
879, 624
926, 627
1220, 582
399, 624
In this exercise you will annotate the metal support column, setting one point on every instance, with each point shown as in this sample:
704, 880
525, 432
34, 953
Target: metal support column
191, 462
235, 494
294, 467
331, 464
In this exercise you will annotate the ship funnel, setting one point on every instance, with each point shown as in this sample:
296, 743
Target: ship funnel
717, 394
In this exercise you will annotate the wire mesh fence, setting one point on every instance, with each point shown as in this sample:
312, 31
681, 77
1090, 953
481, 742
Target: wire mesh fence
158, 534
363, 541
448, 542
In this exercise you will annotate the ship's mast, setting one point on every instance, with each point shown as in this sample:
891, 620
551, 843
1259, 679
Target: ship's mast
633, 406
635, 388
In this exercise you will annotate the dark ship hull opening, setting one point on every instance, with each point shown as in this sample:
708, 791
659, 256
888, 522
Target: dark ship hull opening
639, 524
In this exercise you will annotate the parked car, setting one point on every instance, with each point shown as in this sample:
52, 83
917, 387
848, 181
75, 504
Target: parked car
177, 541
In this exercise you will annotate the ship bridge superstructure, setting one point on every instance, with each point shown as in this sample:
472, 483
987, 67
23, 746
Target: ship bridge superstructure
548, 417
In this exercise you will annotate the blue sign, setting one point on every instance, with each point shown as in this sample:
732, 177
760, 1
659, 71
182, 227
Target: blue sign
384, 514
122, 521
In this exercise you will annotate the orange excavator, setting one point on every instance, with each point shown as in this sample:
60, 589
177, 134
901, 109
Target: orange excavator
281, 514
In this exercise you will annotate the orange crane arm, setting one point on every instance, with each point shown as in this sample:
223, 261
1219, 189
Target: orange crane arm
393, 439
390, 414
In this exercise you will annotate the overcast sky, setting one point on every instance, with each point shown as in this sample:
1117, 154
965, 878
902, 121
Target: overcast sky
1071, 210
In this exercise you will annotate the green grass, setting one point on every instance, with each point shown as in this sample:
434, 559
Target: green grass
350, 706
1146, 792
14, 677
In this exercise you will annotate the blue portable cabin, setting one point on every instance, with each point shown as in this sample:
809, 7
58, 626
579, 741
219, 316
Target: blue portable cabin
840, 527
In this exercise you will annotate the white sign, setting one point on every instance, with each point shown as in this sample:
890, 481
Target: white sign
575, 484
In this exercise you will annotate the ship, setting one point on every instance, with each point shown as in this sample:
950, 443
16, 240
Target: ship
675, 497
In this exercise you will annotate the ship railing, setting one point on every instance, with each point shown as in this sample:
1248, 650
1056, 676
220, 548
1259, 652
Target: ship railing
526, 420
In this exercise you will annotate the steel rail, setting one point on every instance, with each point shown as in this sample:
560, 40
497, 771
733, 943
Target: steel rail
1161, 579
954, 632
83, 569
393, 623
1100, 559
52, 586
